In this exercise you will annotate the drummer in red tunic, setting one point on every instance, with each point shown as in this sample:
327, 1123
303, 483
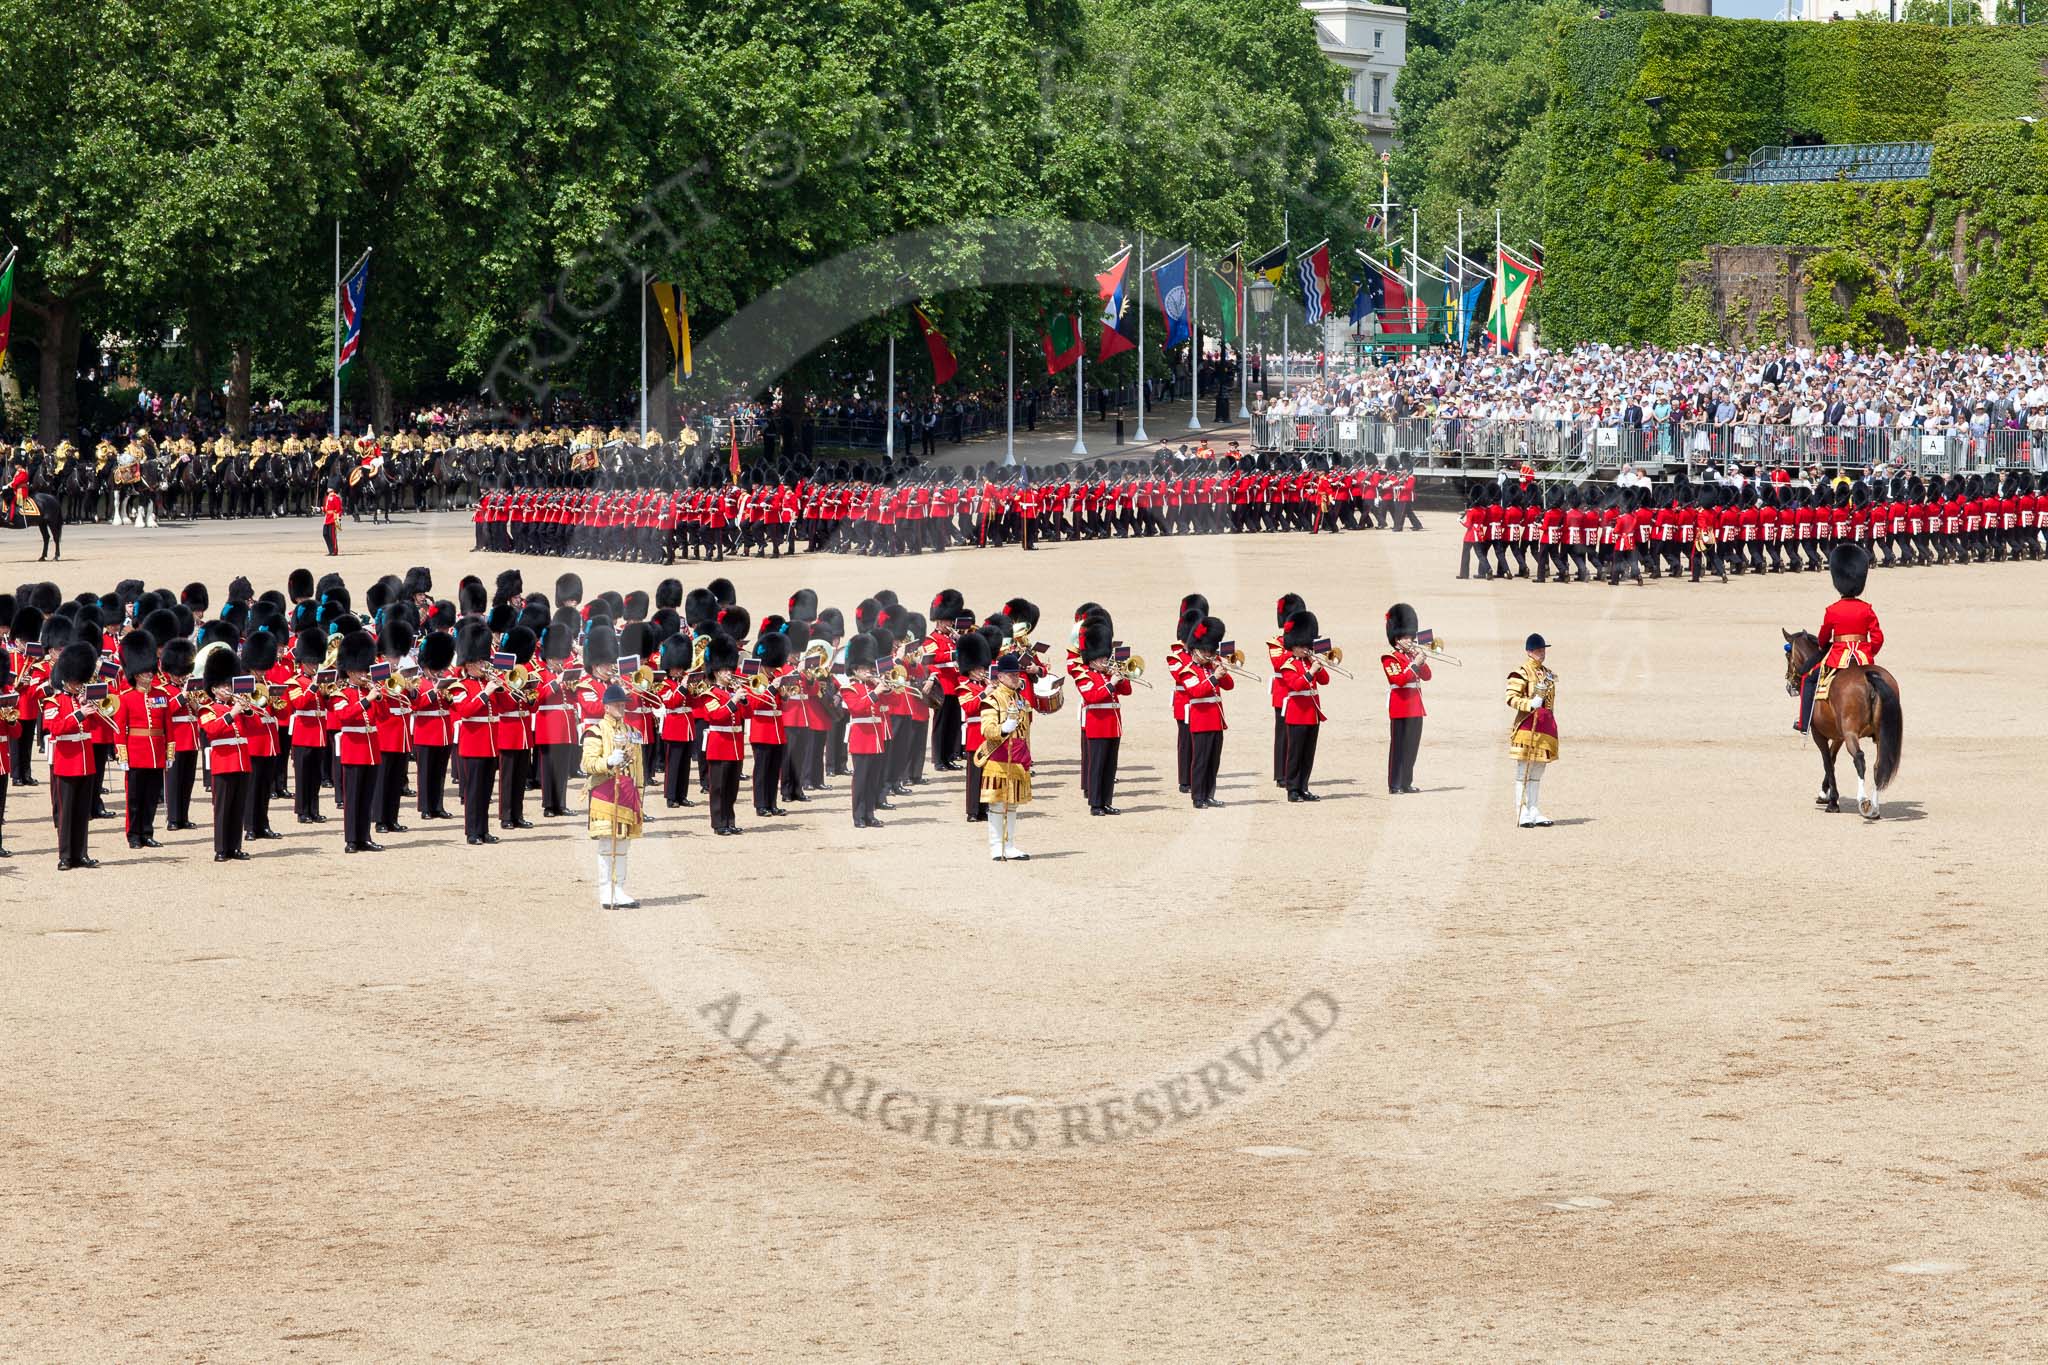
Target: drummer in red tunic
1849, 632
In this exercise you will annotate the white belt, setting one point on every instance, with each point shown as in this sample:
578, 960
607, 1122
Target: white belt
863, 720
558, 708
356, 730
723, 729
1404, 687
72, 739
1101, 706
424, 714
1205, 701
227, 743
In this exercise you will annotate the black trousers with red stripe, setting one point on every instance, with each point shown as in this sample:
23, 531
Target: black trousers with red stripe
306, 764
145, 794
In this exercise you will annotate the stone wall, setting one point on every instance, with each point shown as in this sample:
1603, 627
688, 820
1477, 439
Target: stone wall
1756, 293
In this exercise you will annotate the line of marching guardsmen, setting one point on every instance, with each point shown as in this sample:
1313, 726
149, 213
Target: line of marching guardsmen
1573, 534
944, 510
286, 695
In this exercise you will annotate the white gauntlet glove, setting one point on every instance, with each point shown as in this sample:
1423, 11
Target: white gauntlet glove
1009, 727
616, 759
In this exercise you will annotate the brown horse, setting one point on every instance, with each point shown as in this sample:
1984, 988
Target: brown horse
1862, 703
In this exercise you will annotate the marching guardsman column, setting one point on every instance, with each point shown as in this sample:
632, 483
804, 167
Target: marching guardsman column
1406, 672
1532, 696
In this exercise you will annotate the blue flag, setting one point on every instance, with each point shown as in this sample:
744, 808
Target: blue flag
352, 290
1467, 306
1170, 282
1369, 299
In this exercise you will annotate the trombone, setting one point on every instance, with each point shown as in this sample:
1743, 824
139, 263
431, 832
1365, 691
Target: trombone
1130, 670
1433, 652
1334, 661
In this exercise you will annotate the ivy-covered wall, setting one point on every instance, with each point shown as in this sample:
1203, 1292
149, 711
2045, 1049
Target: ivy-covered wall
1959, 257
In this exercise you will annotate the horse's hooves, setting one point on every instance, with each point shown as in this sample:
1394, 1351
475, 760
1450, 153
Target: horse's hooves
1868, 809
1832, 807
1820, 801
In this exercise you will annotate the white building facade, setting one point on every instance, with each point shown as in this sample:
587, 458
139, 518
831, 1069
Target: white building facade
1370, 43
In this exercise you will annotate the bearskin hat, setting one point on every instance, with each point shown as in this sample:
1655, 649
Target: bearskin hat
395, 639
162, 626
1849, 567
418, 582
511, 585
473, 644
1299, 630
534, 616
217, 667
569, 590
175, 659
972, 652
915, 627
722, 655
240, 589
1207, 634
734, 622
470, 598
700, 607
886, 598
558, 642
1096, 642
437, 650
358, 652
832, 622
1401, 620
773, 651
892, 618
309, 648
46, 597
636, 606
519, 643
797, 633
27, 624
259, 653
676, 652
1286, 607
947, 605
138, 654
1194, 601
668, 593
601, 646
865, 613
1189, 619
377, 596
633, 640
860, 651
1022, 611
219, 632
722, 589
803, 605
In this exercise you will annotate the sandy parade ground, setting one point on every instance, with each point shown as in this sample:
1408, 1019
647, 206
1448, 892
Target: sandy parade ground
1700, 1072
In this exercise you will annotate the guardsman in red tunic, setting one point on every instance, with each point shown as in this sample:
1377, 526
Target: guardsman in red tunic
867, 729
223, 715
1276, 659
766, 734
143, 724
973, 654
174, 663
394, 724
353, 712
330, 521
515, 731
676, 730
1302, 677
1101, 686
1204, 680
557, 717
1475, 533
72, 725
470, 701
433, 726
1849, 632
11, 701
1406, 672
720, 712
947, 608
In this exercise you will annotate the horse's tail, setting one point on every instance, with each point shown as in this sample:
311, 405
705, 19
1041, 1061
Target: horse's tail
1891, 728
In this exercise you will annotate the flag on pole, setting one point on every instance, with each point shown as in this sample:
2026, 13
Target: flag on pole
1470, 307
7, 302
1369, 297
1227, 280
1313, 268
1272, 265
1109, 283
1516, 278
1062, 343
1119, 321
1170, 283
733, 465
944, 365
353, 286
675, 315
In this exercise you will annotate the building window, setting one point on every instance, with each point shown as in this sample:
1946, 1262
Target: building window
1377, 82
1376, 36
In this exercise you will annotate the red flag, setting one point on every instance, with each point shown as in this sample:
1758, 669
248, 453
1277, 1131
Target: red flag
1107, 282
1062, 344
944, 366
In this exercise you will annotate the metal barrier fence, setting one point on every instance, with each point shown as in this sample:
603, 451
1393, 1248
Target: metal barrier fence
1576, 450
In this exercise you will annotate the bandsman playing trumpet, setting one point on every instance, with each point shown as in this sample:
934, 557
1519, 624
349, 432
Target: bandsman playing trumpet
305, 700
1101, 685
681, 659
354, 712
472, 699
720, 712
867, 728
1302, 676
1203, 681
1407, 669
1277, 655
433, 726
143, 722
72, 726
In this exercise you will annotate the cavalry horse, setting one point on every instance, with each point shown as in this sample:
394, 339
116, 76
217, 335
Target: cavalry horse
1862, 703
48, 518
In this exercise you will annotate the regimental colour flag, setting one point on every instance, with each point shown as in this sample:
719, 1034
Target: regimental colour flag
353, 286
7, 302
1170, 283
675, 315
944, 364
1227, 280
1119, 318
1062, 343
1314, 271
1515, 278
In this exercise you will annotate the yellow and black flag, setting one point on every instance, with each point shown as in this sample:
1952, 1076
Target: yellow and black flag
1273, 265
675, 314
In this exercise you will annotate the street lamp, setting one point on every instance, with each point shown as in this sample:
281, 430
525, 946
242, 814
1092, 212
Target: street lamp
1261, 291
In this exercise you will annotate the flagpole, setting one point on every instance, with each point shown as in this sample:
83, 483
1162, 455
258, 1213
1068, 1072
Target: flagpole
1010, 408
1080, 396
335, 429
889, 405
1287, 236
643, 355
1497, 273
1194, 343
1244, 367
1458, 313
1139, 261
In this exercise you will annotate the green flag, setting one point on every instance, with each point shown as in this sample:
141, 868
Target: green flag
1227, 280
7, 303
